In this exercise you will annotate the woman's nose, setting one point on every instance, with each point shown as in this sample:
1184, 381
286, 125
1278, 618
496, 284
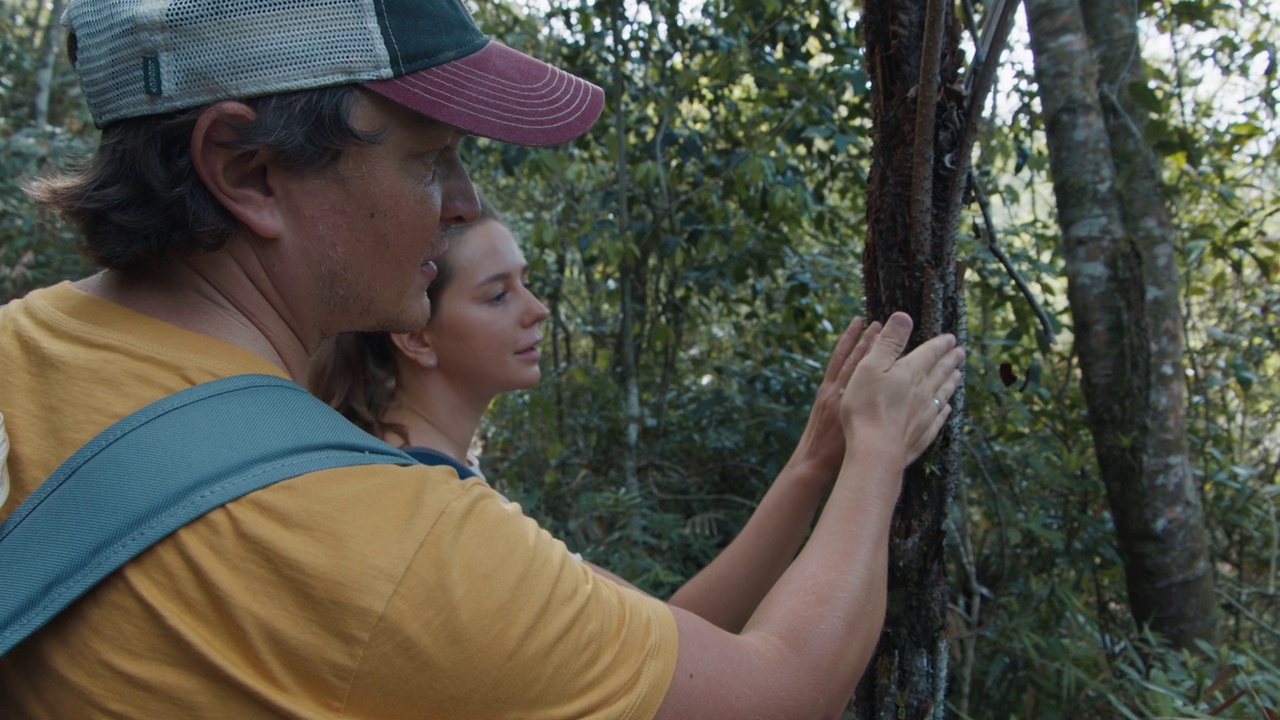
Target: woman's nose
539, 311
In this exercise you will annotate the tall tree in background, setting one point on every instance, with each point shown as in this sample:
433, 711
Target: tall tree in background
925, 117
1123, 292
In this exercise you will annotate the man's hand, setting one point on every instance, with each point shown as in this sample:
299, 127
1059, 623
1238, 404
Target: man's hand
902, 399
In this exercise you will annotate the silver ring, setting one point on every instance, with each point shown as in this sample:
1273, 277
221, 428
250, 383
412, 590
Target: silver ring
937, 404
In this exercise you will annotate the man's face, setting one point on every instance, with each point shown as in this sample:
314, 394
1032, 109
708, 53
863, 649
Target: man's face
372, 223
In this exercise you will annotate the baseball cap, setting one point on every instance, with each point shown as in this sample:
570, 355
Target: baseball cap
145, 57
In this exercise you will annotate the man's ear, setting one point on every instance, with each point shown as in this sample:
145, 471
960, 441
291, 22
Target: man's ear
417, 347
240, 180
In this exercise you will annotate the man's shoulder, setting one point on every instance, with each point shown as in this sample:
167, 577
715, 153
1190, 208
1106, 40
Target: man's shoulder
362, 507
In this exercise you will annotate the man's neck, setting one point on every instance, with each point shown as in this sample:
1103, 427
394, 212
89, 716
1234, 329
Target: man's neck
227, 306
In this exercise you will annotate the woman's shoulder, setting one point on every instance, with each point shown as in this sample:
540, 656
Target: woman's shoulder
431, 456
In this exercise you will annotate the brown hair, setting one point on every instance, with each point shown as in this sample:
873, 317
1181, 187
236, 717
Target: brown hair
355, 372
138, 200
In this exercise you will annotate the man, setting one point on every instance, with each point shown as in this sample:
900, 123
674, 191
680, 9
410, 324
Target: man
272, 173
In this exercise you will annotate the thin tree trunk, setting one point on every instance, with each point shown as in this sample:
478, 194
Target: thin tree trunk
50, 41
1122, 288
626, 272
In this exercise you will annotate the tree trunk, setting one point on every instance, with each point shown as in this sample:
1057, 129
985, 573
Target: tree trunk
919, 162
925, 118
1122, 288
627, 275
50, 41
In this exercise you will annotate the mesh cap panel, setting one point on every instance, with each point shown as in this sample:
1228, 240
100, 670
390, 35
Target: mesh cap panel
192, 52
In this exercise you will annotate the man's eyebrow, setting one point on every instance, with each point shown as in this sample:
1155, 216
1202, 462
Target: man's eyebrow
423, 125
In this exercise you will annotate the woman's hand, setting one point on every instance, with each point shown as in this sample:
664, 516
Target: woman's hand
821, 446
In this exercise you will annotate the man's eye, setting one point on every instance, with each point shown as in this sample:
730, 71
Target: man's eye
428, 162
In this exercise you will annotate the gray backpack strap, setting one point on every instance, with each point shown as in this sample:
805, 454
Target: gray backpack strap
155, 470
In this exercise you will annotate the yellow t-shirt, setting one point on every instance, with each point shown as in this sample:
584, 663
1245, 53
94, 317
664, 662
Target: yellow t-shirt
374, 592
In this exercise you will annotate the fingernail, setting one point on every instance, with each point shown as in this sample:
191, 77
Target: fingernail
900, 322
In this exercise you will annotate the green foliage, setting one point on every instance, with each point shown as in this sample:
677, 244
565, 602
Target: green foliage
35, 249
1083, 672
742, 197
745, 127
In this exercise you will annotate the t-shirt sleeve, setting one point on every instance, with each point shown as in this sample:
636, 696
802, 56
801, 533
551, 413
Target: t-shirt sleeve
494, 618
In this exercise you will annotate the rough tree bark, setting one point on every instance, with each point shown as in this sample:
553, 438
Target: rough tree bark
925, 117
1123, 292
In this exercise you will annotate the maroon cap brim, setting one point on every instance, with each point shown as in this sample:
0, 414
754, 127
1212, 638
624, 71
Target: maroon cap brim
502, 94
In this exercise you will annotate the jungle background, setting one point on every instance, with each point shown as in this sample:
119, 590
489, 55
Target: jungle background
701, 249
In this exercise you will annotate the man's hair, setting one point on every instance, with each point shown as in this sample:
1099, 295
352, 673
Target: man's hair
356, 372
138, 201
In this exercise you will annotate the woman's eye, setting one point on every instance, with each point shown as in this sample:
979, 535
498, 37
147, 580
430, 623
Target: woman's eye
497, 298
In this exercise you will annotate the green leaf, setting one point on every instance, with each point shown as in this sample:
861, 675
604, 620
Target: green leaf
1146, 97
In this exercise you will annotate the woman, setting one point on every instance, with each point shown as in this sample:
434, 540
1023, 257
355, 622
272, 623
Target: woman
426, 391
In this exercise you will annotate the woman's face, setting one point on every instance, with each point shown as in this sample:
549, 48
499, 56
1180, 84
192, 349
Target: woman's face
485, 328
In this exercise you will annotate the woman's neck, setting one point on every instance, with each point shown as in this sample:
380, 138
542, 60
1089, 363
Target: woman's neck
435, 417
422, 431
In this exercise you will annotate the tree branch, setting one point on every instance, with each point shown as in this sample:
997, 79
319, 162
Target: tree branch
1108, 95
921, 212
1045, 323
978, 82
1245, 611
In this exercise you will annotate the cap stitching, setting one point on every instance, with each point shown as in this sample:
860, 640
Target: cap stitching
392, 34
574, 104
